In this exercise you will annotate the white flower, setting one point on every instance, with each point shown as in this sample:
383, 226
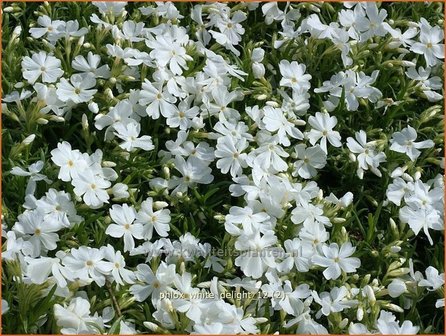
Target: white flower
183, 116
322, 128
368, 157
293, 75
388, 325
129, 132
153, 284
433, 280
150, 219
193, 171
47, 27
337, 260
39, 269
123, 224
309, 214
5, 306
404, 142
333, 302
229, 151
372, 25
41, 64
256, 256
39, 232
87, 264
58, 207
421, 219
75, 318
119, 273
71, 162
430, 45
78, 89
168, 49
91, 65
310, 159
251, 221
275, 120
92, 187
157, 100
396, 288
34, 176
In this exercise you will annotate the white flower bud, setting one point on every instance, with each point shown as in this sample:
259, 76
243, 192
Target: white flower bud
258, 69
84, 122
343, 323
352, 157
29, 139
152, 326
417, 175
396, 288
395, 249
261, 97
394, 307
160, 205
120, 191
42, 121
272, 103
407, 177
397, 172
109, 164
57, 118
257, 55
93, 107
368, 291
360, 314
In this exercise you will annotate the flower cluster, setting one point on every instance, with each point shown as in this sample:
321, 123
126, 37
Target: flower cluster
214, 168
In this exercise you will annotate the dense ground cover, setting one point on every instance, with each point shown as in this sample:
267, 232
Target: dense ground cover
222, 168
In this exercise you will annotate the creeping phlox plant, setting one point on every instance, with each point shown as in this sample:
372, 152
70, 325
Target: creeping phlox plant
222, 168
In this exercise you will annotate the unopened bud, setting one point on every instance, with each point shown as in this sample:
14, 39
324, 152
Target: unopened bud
93, 107
29, 139
153, 327
84, 122
407, 177
42, 121
57, 118
160, 205
343, 323
360, 314
394, 307
368, 291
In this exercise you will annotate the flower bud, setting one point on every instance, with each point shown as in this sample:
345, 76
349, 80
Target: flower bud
160, 205
29, 139
368, 291
396, 288
258, 69
57, 118
343, 323
395, 249
394, 307
84, 122
153, 327
360, 314
397, 172
93, 107
42, 121
407, 177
